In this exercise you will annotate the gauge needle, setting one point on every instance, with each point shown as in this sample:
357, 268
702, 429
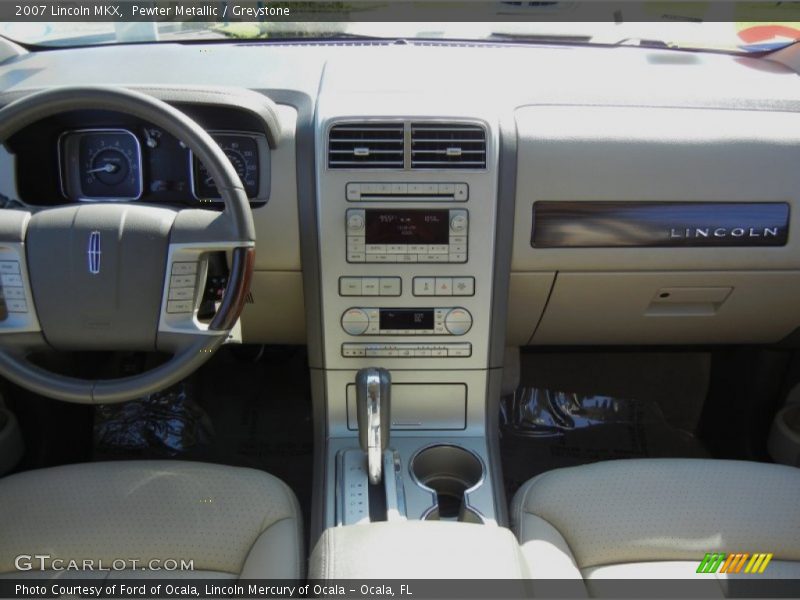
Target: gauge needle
106, 168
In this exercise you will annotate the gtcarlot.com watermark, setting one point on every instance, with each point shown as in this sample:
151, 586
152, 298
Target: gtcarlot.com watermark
46, 562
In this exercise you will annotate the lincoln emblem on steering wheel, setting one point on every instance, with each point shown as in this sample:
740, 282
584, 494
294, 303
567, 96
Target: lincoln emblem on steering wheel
94, 252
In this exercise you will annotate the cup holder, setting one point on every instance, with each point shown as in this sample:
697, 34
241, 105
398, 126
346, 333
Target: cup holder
450, 473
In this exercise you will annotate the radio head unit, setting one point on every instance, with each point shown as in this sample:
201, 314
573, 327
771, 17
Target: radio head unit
385, 235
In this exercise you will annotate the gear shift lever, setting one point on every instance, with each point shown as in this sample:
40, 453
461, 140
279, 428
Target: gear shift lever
373, 400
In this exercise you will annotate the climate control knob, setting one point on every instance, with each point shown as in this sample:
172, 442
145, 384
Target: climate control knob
355, 321
458, 321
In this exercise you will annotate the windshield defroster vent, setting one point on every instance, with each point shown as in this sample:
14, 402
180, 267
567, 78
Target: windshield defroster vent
366, 146
447, 146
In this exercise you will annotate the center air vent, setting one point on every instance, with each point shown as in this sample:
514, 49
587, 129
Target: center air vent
366, 146
447, 146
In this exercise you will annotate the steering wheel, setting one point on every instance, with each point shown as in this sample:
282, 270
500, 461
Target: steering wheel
118, 276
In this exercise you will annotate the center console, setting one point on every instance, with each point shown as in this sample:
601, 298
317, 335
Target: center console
407, 220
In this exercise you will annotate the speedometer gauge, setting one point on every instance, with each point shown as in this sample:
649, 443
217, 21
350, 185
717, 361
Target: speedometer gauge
103, 164
243, 151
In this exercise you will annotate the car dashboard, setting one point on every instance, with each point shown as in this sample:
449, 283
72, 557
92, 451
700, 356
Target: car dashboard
425, 206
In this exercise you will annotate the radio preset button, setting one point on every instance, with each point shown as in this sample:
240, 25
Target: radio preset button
20, 306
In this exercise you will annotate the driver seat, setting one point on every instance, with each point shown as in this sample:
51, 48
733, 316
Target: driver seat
231, 522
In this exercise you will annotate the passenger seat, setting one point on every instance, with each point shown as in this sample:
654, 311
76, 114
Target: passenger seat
657, 518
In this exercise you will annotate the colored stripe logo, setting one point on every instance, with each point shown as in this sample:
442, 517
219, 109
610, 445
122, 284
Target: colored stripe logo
737, 562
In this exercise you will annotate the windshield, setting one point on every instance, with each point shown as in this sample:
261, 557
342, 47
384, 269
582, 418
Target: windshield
680, 26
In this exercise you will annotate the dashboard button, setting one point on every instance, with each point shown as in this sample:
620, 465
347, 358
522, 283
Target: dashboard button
458, 257
390, 286
350, 286
424, 286
355, 257
370, 286
444, 286
463, 286
353, 191
462, 191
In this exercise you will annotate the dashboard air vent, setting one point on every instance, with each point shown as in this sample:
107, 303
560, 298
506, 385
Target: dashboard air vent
366, 146
447, 146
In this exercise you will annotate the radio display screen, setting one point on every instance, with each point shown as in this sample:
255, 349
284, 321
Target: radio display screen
407, 226
406, 319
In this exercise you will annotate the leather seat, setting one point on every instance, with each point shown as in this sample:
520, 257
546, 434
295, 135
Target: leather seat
231, 522
656, 518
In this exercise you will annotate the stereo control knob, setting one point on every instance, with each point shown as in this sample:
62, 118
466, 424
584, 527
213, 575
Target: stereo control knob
458, 222
355, 221
458, 321
355, 321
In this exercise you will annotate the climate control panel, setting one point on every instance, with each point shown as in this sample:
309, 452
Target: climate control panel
406, 321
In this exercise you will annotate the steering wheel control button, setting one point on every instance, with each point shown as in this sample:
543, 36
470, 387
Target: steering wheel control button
9, 266
458, 321
15, 293
355, 321
16, 306
181, 293
184, 268
182, 281
11, 280
179, 306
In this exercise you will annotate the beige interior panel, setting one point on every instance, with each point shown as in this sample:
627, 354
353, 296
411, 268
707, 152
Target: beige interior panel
277, 227
527, 297
671, 308
584, 153
274, 313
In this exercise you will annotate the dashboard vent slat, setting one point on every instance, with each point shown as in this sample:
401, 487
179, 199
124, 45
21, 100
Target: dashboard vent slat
448, 146
366, 146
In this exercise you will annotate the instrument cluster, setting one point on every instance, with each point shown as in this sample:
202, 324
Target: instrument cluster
124, 165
